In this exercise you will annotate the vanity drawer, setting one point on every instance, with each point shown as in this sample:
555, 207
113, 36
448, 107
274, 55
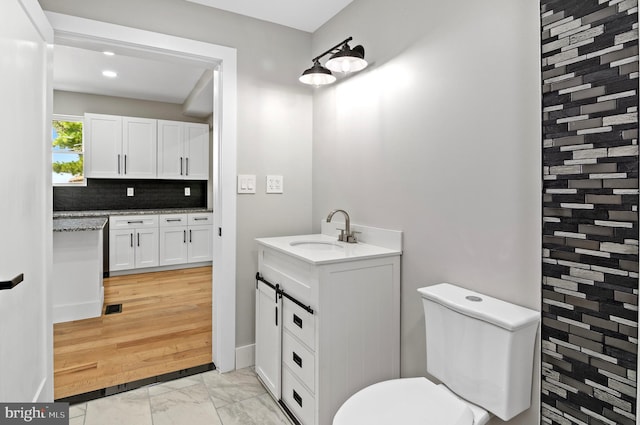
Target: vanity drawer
132, 221
167, 220
299, 322
299, 359
297, 398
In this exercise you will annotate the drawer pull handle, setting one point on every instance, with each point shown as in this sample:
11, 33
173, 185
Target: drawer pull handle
297, 398
201, 218
135, 222
297, 321
297, 359
174, 219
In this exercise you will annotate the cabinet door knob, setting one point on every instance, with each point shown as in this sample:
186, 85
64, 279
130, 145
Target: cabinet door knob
297, 359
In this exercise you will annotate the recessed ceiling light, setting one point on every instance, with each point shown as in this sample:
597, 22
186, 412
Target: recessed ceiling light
108, 53
110, 74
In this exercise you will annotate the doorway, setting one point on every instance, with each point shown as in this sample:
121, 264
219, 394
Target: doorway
70, 30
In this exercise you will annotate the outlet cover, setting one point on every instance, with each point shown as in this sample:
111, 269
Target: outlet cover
247, 183
275, 184
187, 191
129, 191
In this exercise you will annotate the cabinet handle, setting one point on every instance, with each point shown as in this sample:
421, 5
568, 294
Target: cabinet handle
297, 359
135, 222
201, 218
138, 234
187, 161
297, 321
180, 165
189, 235
184, 236
131, 237
125, 164
297, 398
174, 219
118, 163
276, 315
10, 284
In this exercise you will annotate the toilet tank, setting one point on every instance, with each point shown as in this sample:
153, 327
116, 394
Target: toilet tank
480, 347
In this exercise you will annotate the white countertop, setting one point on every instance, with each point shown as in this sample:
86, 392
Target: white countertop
325, 249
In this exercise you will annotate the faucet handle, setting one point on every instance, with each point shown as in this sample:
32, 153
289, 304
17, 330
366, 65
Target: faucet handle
342, 237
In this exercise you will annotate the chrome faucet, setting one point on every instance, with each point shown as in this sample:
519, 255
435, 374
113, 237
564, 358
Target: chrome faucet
346, 235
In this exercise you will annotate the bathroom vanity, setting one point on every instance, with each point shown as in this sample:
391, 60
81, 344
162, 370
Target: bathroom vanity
327, 318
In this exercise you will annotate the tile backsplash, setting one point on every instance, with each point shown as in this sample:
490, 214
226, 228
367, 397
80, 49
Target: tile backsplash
111, 194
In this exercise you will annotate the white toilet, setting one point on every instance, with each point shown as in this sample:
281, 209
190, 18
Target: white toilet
479, 347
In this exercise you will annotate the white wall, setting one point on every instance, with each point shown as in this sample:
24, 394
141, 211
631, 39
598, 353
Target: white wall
439, 137
26, 340
274, 116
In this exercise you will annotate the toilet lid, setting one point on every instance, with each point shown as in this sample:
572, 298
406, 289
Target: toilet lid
410, 401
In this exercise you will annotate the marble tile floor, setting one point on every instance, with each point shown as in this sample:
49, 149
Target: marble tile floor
211, 398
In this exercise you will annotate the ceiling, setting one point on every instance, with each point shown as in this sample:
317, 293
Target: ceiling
78, 66
304, 15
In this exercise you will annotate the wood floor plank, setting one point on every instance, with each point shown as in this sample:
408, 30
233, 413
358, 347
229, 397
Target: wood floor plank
165, 326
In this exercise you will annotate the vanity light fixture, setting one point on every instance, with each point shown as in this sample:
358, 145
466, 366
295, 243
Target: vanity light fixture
343, 60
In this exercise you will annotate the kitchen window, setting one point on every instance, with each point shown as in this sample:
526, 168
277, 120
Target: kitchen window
67, 150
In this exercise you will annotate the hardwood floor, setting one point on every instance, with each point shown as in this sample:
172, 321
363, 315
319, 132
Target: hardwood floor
164, 326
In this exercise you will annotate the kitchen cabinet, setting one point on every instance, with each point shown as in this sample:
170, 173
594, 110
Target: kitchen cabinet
133, 242
326, 325
183, 150
186, 238
120, 147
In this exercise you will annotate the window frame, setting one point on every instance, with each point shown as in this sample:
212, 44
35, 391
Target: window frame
70, 118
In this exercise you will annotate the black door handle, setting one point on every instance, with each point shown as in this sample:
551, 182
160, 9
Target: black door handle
10, 284
297, 359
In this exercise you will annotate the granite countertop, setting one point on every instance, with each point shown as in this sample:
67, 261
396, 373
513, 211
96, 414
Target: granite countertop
107, 213
79, 224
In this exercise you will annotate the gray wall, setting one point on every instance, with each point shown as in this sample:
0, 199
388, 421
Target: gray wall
71, 103
274, 116
440, 138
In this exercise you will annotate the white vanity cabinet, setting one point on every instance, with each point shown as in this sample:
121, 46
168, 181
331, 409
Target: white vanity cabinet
133, 242
120, 147
186, 238
326, 325
183, 150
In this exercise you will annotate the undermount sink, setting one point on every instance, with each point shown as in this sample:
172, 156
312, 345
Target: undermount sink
316, 245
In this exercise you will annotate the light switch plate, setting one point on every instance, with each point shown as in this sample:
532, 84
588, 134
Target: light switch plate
275, 184
246, 183
129, 191
187, 191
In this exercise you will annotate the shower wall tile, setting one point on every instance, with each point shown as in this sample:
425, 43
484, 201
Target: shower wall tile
589, 59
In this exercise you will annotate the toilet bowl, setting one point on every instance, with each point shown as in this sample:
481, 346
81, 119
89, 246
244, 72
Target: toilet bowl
409, 401
480, 348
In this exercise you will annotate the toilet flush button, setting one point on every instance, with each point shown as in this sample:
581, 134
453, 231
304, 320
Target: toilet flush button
473, 298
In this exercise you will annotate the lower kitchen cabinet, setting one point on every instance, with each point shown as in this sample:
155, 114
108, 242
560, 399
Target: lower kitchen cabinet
133, 242
186, 238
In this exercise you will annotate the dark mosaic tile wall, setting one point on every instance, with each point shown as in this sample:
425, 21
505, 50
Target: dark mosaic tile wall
111, 194
590, 210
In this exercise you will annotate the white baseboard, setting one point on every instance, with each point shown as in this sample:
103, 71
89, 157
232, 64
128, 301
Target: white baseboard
245, 356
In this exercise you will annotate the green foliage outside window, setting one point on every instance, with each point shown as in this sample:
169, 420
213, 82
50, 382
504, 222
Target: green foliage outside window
68, 140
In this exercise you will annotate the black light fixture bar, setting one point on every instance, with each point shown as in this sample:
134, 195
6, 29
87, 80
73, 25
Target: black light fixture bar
334, 49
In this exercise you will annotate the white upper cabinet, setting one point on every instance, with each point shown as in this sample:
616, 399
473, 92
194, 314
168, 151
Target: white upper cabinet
120, 147
183, 150
139, 145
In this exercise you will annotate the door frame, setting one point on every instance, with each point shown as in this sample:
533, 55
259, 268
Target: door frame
223, 61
